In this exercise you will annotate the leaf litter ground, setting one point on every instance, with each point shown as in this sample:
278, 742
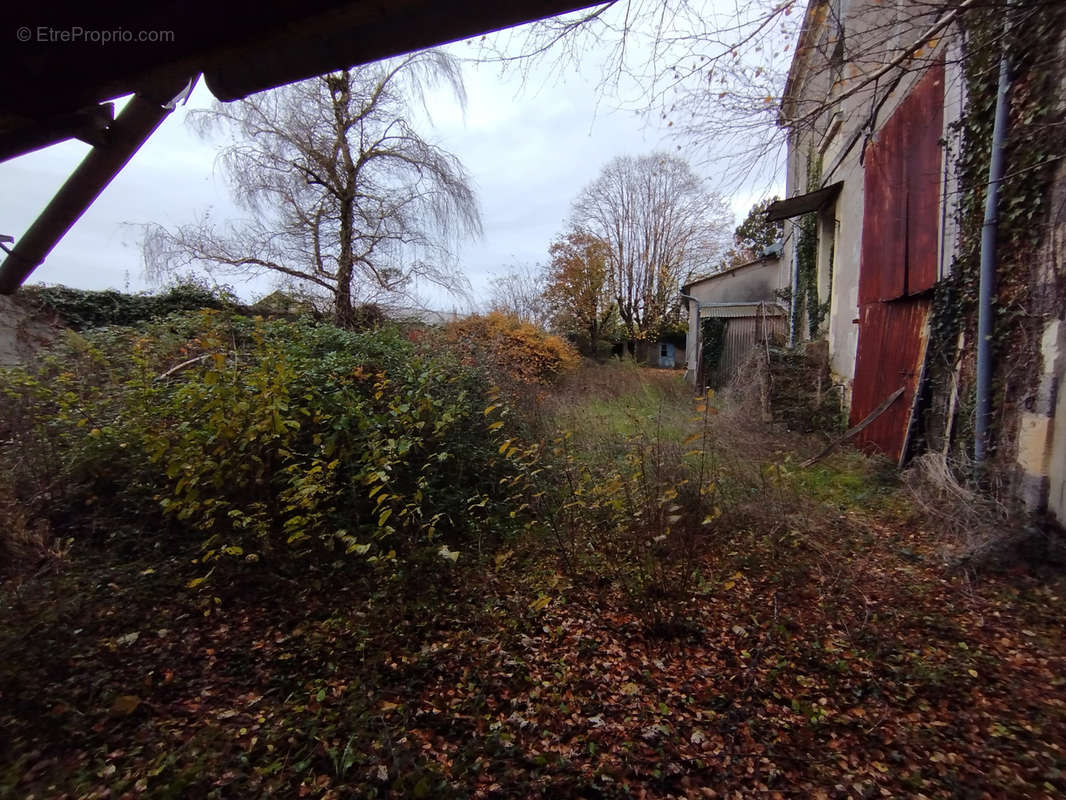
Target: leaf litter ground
842, 661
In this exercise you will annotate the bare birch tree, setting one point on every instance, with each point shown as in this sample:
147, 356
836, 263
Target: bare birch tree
659, 224
345, 197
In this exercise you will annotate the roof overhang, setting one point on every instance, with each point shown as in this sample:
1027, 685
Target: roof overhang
58, 74
63, 60
802, 204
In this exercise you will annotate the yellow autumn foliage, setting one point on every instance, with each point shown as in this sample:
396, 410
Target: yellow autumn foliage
515, 350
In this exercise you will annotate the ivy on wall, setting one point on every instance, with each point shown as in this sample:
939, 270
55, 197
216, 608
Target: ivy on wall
807, 261
82, 309
713, 345
1036, 142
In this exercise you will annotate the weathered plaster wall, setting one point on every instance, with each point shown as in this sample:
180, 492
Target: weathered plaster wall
1042, 428
1041, 446
691, 342
1041, 442
752, 283
838, 139
843, 332
1056, 460
21, 333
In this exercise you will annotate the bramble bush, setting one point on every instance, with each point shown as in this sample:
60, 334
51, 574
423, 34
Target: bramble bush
266, 440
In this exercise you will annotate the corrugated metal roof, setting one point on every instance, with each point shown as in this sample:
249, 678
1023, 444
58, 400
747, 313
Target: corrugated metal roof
737, 310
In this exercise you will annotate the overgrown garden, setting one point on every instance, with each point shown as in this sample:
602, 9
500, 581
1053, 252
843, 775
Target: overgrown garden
270, 557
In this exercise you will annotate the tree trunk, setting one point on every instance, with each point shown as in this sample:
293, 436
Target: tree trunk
342, 295
343, 314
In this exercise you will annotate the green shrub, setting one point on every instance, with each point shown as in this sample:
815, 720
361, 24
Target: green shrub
268, 440
67, 429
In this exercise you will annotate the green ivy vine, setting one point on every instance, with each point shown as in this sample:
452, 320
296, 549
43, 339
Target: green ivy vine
82, 309
807, 260
713, 345
1036, 141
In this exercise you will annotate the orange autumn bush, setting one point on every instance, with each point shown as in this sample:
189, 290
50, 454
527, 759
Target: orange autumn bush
514, 351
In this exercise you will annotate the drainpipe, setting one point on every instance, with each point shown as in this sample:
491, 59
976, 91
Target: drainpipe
988, 261
795, 287
699, 335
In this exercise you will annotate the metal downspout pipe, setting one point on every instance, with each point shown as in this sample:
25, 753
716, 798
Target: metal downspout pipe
987, 287
793, 300
696, 377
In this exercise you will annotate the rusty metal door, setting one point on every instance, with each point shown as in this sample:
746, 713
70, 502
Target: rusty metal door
901, 223
892, 338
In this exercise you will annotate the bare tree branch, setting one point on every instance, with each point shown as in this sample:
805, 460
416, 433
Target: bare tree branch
520, 294
716, 73
660, 225
343, 193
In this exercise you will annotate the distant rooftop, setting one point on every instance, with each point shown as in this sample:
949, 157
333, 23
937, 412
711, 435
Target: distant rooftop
770, 253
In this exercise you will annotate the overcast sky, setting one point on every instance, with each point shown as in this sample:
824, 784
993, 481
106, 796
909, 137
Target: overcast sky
529, 149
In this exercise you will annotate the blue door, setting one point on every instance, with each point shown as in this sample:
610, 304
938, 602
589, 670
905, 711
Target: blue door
666, 355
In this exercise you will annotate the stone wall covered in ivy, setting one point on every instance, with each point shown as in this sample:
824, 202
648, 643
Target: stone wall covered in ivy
1029, 272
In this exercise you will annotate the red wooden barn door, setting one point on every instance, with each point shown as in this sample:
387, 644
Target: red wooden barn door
901, 221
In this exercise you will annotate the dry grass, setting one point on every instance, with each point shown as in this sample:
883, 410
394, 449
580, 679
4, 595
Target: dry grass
24, 541
618, 400
620, 418
978, 527
748, 428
